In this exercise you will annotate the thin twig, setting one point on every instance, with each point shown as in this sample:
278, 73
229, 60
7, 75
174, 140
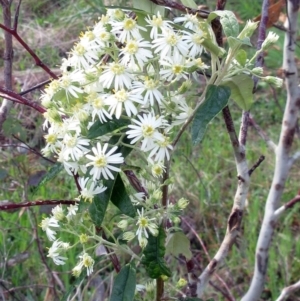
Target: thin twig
13, 206
262, 134
288, 205
8, 58
31, 149
37, 60
288, 290
44, 261
259, 161
7, 93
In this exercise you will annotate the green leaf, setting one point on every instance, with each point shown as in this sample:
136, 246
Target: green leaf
189, 3
154, 252
177, 243
241, 57
235, 43
99, 129
241, 87
51, 174
121, 199
122, 148
100, 202
228, 20
124, 285
216, 99
148, 6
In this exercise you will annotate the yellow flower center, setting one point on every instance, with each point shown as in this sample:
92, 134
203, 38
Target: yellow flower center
90, 35
71, 142
148, 130
117, 68
129, 24
121, 95
157, 21
143, 222
157, 170
65, 83
150, 84
87, 261
51, 138
165, 142
177, 69
132, 47
104, 36
79, 49
98, 103
172, 40
197, 39
100, 161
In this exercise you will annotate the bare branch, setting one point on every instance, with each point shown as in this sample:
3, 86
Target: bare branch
288, 290
262, 134
8, 57
176, 5
14, 97
288, 205
38, 61
283, 149
13, 206
259, 161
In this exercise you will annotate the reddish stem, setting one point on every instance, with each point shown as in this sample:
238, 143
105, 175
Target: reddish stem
38, 62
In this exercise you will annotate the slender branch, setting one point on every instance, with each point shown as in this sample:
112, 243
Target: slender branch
228, 295
263, 135
37, 60
28, 147
15, 26
283, 149
7, 93
176, 5
51, 278
14, 206
288, 205
135, 182
36, 87
288, 290
8, 58
259, 161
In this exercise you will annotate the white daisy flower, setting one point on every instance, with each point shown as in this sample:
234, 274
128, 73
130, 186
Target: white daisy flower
74, 147
117, 73
194, 42
102, 161
127, 29
173, 68
146, 129
158, 25
69, 86
120, 98
170, 43
135, 51
48, 223
72, 210
189, 21
88, 262
53, 253
89, 189
145, 225
150, 87
161, 149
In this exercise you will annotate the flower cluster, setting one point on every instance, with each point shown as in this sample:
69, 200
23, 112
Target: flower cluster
115, 73
130, 87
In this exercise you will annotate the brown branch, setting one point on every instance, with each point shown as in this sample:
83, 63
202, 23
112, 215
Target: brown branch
51, 278
176, 5
14, 206
8, 58
259, 161
15, 97
38, 61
